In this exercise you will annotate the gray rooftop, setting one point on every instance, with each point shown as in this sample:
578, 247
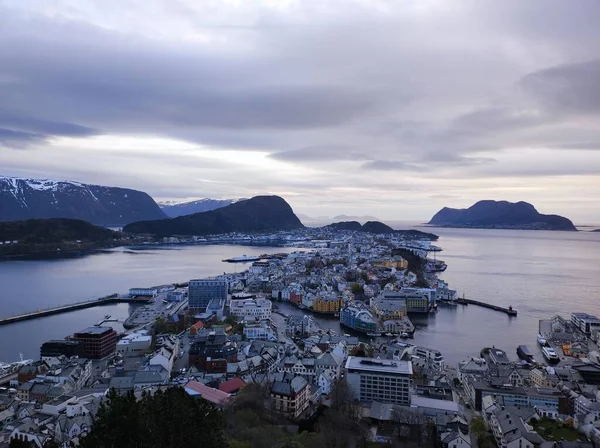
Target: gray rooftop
379, 365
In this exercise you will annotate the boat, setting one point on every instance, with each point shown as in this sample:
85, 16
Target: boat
524, 353
374, 335
541, 340
550, 355
404, 335
435, 266
389, 335
108, 316
242, 259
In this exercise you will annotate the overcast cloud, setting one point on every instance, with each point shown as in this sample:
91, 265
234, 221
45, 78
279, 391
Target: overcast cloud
388, 108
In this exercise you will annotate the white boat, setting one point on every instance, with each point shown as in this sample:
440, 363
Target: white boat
404, 335
374, 335
541, 340
242, 259
550, 355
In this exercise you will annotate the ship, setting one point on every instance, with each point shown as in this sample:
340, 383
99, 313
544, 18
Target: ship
541, 340
7, 369
242, 259
524, 353
374, 335
435, 266
550, 355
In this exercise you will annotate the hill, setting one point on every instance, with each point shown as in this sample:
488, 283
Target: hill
53, 230
173, 210
379, 227
22, 199
500, 215
259, 214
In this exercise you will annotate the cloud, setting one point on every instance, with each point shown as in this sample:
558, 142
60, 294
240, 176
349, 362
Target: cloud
335, 99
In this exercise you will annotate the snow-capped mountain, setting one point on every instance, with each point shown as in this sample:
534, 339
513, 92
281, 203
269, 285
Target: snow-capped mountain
175, 209
106, 206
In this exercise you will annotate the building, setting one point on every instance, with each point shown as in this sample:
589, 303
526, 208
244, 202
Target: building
542, 378
133, 345
387, 308
300, 326
211, 351
327, 304
513, 396
379, 380
396, 262
414, 301
585, 322
96, 342
511, 431
259, 331
433, 357
202, 291
251, 310
60, 347
290, 395
357, 317
175, 296
215, 396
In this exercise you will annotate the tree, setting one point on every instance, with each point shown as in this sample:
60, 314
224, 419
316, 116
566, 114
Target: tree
356, 288
169, 419
478, 426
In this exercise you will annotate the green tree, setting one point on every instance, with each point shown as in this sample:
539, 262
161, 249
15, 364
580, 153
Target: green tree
167, 419
356, 288
478, 427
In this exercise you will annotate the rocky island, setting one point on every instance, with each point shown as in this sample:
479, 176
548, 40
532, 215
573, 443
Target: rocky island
500, 215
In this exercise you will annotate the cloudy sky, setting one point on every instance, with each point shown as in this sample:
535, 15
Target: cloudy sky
390, 108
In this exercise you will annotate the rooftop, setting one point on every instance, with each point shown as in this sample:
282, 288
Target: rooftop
94, 330
379, 365
215, 396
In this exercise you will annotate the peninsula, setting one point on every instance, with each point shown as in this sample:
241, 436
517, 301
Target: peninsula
500, 215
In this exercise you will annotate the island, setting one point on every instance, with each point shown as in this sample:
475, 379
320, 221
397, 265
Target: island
377, 227
500, 215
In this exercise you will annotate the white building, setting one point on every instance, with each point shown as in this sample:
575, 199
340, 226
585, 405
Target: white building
379, 380
135, 344
251, 310
261, 331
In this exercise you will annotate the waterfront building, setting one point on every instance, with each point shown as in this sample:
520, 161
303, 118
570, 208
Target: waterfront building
290, 395
61, 347
202, 291
396, 262
175, 296
585, 322
96, 342
388, 308
432, 357
414, 301
327, 304
252, 310
357, 317
379, 380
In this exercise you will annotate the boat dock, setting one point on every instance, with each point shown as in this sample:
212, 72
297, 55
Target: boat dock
510, 311
107, 300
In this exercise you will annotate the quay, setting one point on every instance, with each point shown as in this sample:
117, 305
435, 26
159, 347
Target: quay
510, 311
106, 300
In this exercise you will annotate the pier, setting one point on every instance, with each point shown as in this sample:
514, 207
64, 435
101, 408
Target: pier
106, 300
508, 310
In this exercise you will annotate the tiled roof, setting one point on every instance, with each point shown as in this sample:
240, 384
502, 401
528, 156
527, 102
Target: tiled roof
232, 385
215, 396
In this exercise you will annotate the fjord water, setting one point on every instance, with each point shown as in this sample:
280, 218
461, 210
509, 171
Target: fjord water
539, 273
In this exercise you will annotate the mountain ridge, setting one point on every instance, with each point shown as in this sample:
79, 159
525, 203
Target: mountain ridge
500, 215
30, 198
176, 209
257, 214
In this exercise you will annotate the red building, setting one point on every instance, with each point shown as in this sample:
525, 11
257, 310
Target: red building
295, 298
96, 342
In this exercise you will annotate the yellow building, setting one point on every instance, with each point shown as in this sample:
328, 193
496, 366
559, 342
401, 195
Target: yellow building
387, 309
395, 262
327, 304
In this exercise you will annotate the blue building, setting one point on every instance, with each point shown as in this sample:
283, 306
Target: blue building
202, 291
357, 317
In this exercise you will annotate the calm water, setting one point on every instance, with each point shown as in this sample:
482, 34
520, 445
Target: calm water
539, 273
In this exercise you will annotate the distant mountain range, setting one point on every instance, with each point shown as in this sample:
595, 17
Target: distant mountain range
53, 230
258, 214
175, 209
500, 215
339, 218
22, 199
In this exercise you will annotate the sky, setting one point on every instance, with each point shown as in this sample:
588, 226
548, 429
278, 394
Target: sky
387, 108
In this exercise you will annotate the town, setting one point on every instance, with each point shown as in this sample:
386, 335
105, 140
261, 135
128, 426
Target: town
217, 336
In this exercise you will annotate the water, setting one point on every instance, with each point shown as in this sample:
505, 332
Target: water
27, 285
539, 273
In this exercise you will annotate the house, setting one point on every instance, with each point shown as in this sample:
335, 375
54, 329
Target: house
232, 386
455, 439
150, 375
325, 381
290, 395
511, 431
29, 432
215, 396
164, 357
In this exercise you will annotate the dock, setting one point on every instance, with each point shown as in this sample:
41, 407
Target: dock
510, 311
106, 300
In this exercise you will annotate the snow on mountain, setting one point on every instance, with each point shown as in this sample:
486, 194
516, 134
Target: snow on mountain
174, 209
22, 198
